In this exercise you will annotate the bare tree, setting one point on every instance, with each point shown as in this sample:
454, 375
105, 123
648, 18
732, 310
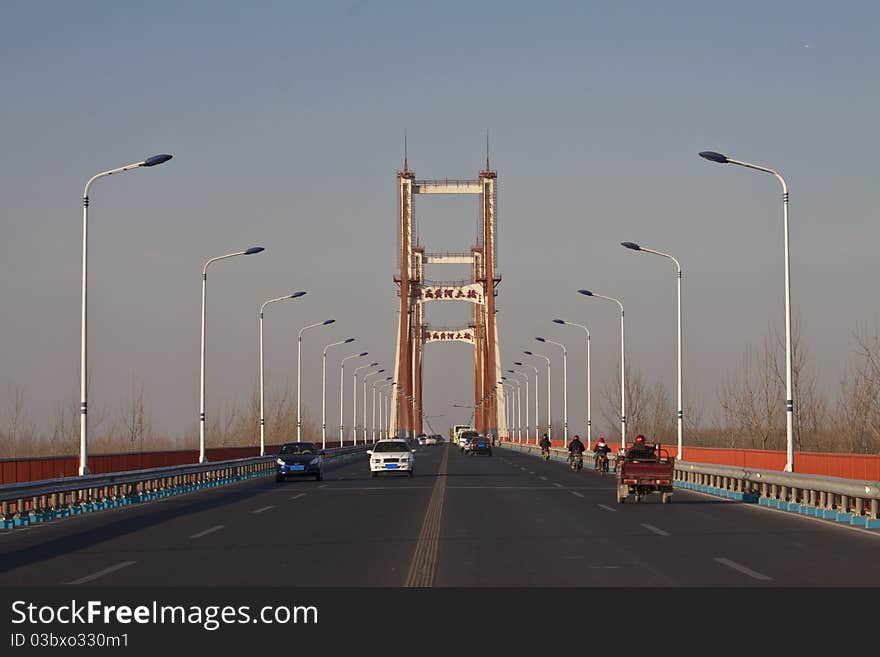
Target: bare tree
134, 418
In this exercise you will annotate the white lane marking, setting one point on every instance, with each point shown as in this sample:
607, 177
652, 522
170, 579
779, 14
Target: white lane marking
544, 478
101, 573
608, 508
558, 485
211, 530
522, 468
746, 571
264, 508
531, 472
654, 529
574, 492
296, 497
323, 486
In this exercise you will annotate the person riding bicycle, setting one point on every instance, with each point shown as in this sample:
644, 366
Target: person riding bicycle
576, 447
600, 449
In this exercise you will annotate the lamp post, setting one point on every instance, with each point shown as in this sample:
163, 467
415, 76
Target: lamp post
324, 390
382, 405
789, 398
587, 293
341, 394
526, 378
547, 358
589, 395
373, 413
299, 373
83, 421
680, 414
536, 399
295, 295
364, 385
564, 387
518, 403
250, 251
354, 400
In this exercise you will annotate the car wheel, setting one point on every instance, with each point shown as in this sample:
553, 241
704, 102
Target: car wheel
374, 474
410, 473
279, 479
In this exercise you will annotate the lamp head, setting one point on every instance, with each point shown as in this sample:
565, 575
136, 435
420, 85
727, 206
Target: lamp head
362, 354
253, 250
347, 340
156, 159
631, 245
528, 353
559, 321
327, 321
540, 339
296, 295
586, 293
373, 364
516, 362
712, 156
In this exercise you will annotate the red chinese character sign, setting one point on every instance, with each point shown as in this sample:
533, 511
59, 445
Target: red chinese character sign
451, 335
472, 293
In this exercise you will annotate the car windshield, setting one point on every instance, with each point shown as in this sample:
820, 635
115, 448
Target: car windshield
299, 448
469, 435
394, 446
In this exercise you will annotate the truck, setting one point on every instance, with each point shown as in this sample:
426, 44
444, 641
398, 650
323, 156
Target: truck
456, 429
648, 473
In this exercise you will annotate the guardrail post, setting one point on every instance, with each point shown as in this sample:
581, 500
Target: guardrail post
875, 508
860, 506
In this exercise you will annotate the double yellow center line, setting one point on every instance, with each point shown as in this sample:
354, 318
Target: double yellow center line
424, 561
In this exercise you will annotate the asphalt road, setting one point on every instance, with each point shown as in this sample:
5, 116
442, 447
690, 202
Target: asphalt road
506, 520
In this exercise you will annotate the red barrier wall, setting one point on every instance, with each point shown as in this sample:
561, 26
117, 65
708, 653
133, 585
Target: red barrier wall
865, 467
51, 467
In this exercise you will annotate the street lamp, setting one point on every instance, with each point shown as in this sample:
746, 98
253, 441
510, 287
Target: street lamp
382, 405
250, 251
373, 412
589, 396
295, 295
547, 358
299, 373
518, 403
83, 423
680, 414
364, 384
587, 293
341, 394
789, 399
564, 387
526, 377
324, 390
536, 400
354, 374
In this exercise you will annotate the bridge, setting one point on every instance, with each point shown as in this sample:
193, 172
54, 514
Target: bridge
509, 519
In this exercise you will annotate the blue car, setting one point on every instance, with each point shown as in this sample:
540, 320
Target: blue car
299, 460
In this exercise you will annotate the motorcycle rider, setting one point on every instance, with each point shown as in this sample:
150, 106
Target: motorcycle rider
575, 447
640, 449
601, 448
545, 445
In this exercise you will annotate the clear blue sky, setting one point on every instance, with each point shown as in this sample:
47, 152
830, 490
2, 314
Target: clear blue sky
286, 123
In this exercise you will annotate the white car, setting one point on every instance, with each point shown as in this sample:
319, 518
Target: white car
392, 455
431, 440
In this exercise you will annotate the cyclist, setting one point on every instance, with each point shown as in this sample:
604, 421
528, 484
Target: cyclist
600, 450
576, 448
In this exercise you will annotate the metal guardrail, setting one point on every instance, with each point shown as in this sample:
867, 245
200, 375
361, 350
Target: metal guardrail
832, 498
36, 501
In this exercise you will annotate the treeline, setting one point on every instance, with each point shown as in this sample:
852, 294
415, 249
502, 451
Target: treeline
129, 426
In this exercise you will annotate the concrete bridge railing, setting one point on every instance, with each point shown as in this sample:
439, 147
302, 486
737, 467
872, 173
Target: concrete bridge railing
833, 498
38, 501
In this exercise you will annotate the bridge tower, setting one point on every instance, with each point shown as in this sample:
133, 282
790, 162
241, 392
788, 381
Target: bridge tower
414, 291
